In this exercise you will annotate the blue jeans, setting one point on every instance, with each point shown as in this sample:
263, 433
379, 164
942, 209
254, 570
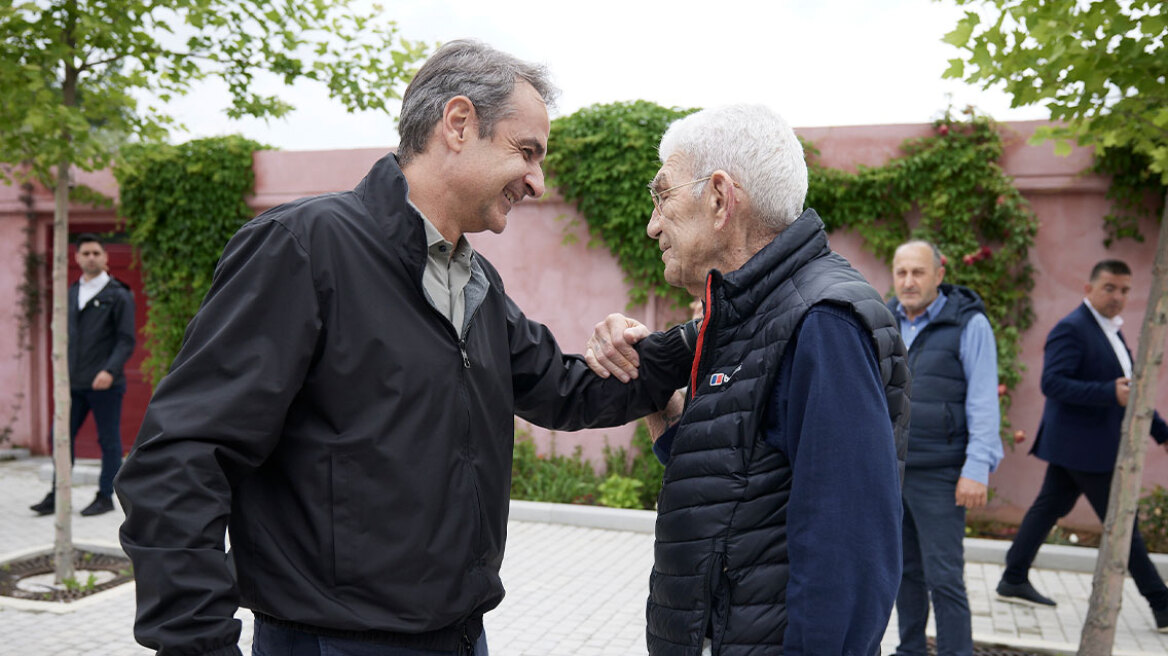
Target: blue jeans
273, 640
1060, 490
934, 564
106, 406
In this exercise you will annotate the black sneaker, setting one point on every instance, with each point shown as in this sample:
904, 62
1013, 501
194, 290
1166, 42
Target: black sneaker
1022, 593
1161, 619
101, 505
47, 505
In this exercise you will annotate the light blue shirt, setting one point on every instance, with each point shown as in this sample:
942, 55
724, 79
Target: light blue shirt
979, 360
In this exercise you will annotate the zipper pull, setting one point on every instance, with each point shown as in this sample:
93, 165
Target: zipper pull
462, 350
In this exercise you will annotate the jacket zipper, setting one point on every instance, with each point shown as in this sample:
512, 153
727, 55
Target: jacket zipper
707, 320
462, 350
469, 323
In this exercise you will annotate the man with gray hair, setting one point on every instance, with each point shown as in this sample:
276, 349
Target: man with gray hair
778, 526
344, 400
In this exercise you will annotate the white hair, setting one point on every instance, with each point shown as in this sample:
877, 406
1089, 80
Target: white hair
755, 146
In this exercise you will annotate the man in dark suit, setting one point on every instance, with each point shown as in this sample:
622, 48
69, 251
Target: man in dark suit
101, 338
1086, 377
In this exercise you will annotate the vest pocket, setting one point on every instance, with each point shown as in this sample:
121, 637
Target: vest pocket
718, 607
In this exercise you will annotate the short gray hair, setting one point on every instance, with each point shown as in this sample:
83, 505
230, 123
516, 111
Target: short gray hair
938, 257
465, 68
755, 146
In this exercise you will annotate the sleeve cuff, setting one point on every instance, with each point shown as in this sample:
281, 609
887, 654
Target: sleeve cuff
664, 444
976, 471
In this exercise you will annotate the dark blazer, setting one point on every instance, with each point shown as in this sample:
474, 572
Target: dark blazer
1081, 419
101, 335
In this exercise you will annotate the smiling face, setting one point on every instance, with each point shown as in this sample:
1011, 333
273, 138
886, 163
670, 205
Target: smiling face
683, 228
1108, 292
503, 169
916, 276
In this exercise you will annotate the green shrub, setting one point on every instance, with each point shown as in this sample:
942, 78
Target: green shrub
1154, 519
630, 482
620, 492
643, 467
552, 478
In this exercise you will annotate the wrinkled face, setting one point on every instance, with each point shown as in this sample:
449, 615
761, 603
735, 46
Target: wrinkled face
683, 227
1108, 292
915, 276
504, 169
92, 258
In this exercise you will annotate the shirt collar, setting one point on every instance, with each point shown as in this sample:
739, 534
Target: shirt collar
930, 312
1110, 325
98, 281
437, 245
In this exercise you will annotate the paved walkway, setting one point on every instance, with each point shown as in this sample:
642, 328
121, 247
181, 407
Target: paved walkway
571, 590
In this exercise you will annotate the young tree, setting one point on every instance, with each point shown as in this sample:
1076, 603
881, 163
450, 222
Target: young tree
1100, 68
73, 72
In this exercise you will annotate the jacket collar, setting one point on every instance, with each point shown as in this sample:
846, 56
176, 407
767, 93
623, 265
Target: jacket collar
790, 250
385, 194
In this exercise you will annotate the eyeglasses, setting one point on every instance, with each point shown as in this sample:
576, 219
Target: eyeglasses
659, 196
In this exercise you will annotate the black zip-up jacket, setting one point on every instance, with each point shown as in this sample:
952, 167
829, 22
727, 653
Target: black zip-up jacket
357, 449
101, 335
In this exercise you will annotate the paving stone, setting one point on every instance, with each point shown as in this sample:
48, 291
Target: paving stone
571, 591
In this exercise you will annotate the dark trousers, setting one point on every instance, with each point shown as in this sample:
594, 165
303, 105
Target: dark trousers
106, 406
933, 531
274, 640
1060, 490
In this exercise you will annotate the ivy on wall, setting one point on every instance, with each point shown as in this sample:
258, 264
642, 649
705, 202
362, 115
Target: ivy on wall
950, 183
965, 204
601, 159
1136, 192
180, 205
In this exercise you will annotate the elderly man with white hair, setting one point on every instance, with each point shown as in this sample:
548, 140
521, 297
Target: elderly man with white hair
778, 528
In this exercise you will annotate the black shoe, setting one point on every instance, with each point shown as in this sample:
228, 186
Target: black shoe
47, 505
1022, 593
1161, 619
101, 504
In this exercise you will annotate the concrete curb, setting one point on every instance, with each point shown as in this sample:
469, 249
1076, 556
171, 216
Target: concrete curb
62, 607
977, 550
86, 471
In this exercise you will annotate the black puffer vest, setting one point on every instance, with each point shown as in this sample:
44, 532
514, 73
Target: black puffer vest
939, 432
721, 548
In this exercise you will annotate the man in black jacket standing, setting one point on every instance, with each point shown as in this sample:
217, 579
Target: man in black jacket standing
344, 400
101, 339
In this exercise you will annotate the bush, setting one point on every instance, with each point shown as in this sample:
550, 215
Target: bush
629, 483
552, 478
620, 492
1154, 519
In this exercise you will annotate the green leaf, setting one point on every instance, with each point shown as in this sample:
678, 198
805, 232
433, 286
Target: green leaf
956, 69
964, 30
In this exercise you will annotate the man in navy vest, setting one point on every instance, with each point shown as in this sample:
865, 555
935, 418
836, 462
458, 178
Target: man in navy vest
778, 526
953, 443
1086, 377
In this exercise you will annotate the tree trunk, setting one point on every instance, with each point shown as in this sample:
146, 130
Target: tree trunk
1107, 589
62, 451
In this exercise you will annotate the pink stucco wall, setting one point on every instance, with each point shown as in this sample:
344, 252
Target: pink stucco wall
569, 286
1070, 207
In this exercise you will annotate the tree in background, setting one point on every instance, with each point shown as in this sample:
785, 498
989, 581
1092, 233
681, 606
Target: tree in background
73, 73
1100, 68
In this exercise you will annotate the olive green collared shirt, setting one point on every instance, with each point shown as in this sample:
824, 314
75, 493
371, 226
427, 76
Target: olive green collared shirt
448, 269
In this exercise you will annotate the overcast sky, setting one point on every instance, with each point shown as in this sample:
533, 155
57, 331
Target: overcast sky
819, 63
